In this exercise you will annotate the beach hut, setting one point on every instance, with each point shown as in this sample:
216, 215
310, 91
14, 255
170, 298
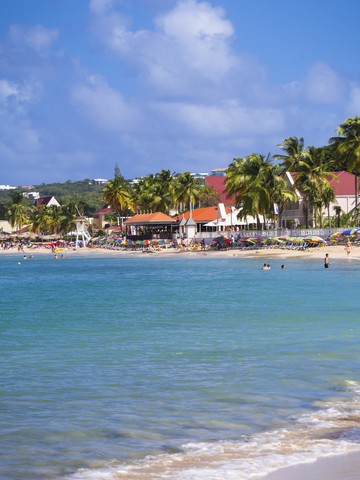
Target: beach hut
190, 228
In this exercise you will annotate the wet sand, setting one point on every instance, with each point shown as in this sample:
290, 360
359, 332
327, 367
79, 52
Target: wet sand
341, 467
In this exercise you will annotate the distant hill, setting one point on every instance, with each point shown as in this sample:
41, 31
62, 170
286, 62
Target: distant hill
83, 191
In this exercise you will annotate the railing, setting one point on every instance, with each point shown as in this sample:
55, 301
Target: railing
321, 232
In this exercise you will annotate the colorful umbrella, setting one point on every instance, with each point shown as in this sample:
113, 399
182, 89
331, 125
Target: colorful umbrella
296, 239
351, 231
314, 239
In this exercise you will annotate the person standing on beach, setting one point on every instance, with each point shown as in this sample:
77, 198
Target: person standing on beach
348, 247
326, 261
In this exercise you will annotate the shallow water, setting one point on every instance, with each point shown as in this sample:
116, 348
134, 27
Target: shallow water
186, 368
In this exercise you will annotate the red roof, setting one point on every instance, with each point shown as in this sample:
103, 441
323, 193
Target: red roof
104, 211
156, 217
344, 183
202, 215
43, 200
218, 184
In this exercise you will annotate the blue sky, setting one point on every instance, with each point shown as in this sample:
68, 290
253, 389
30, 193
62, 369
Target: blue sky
184, 85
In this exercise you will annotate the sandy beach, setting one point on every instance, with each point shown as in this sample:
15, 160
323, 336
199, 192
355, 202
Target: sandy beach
340, 467
336, 252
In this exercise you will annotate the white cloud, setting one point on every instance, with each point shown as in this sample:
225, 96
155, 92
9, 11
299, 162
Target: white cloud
353, 105
104, 106
324, 85
190, 46
37, 38
229, 119
200, 36
15, 97
101, 7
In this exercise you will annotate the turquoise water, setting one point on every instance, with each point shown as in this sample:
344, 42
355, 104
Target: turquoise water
146, 367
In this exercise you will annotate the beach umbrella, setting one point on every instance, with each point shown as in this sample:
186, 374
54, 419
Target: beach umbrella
335, 237
219, 240
286, 238
296, 239
252, 241
268, 241
279, 241
351, 231
314, 239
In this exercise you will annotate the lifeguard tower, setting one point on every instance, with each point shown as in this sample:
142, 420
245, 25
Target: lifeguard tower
82, 233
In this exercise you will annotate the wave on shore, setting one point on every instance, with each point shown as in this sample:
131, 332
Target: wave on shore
333, 428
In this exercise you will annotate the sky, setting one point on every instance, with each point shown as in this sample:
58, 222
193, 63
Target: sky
181, 85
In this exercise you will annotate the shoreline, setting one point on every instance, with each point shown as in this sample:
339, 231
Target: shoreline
337, 467
336, 252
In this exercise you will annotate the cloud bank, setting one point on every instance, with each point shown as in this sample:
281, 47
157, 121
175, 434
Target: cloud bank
181, 94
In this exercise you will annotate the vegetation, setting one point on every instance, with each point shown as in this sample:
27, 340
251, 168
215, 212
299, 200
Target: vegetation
257, 182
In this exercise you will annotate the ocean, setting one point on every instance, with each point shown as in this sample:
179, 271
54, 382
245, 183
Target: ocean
181, 367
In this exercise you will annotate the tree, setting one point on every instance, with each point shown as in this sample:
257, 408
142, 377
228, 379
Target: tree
250, 180
68, 215
187, 190
312, 179
209, 197
294, 156
280, 194
312, 168
338, 211
40, 220
18, 215
347, 150
117, 172
117, 194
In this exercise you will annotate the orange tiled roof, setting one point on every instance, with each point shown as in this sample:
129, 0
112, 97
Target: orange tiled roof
202, 215
156, 217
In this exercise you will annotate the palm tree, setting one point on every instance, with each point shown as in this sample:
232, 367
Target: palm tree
347, 150
18, 215
16, 212
312, 179
117, 194
166, 188
146, 195
68, 215
328, 196
54, 219
294, 155
280, 194
187, 190
40, 220
338, 211
250, 180
209, 197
